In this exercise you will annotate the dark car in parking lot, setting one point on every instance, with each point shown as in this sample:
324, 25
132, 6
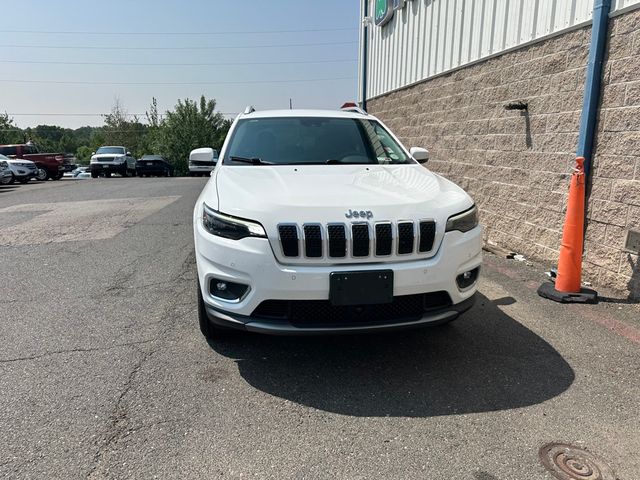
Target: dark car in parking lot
153, 165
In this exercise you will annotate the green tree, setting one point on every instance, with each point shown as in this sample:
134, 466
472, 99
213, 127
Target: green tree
191, 125
67, 143
119, 130
83, 154
9, 132
152, 141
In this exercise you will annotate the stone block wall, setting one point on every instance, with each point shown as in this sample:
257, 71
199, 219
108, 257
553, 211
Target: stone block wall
614, 205
517, 164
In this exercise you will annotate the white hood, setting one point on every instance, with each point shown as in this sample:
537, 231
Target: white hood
278, 194
324, 194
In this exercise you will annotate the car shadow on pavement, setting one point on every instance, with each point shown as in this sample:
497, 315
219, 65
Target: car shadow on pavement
485, 361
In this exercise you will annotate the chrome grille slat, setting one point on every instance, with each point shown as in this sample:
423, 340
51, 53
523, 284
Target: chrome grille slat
289, 240
406, 237
384, 239
427, 235
337, 237
360, 240
312, 240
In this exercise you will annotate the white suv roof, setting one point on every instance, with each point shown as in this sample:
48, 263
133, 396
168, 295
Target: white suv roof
304, 113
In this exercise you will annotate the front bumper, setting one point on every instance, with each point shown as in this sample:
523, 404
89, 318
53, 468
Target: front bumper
260, 325
21, 174
107, 167
201, 168
251, 262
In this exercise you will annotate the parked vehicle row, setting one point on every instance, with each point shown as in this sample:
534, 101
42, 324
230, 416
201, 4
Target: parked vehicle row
117, 159
22, 163
48, 165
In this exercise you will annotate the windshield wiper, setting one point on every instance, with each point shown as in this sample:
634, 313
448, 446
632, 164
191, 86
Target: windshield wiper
333, 161
252, 161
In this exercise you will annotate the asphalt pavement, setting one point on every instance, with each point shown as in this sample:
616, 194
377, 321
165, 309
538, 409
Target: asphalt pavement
104, 373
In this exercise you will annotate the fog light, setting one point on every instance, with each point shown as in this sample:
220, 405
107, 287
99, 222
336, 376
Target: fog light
227, 291
468, 278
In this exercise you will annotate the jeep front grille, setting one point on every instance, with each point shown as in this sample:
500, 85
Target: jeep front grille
357, 240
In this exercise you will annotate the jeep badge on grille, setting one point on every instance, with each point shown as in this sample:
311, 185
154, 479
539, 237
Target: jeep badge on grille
359, 214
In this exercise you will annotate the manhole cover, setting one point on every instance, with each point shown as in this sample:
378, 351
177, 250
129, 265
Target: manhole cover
567, 462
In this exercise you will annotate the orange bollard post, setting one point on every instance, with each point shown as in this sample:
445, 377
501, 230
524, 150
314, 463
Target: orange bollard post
568, 286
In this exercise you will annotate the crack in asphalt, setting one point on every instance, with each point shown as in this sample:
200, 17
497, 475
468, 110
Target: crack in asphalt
119, 424
76, 350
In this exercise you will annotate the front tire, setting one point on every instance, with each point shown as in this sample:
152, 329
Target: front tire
42, 175
94, 175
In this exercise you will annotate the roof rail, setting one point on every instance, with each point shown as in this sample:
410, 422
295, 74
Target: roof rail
249, 110
352, 107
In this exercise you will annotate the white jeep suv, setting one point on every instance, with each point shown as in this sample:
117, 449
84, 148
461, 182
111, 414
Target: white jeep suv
322, 222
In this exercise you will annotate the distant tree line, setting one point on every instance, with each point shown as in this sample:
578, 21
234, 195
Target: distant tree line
191, 124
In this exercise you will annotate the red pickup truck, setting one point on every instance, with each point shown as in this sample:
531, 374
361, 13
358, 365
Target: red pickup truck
50, 165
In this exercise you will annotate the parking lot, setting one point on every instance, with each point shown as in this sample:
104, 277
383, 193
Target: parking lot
104, 373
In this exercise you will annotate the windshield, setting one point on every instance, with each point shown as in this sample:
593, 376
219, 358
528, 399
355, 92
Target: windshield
9, 150
111, 150
312, 141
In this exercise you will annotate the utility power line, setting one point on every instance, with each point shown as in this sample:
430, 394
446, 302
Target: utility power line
228, 32
293, 62
227, 47
90, 114
145, 84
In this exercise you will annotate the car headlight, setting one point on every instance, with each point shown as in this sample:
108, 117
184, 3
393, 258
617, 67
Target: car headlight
233, 228
463, 222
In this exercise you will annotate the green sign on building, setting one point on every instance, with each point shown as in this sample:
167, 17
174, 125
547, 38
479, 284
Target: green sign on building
384, 10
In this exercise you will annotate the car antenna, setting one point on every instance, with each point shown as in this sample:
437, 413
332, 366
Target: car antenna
290, 104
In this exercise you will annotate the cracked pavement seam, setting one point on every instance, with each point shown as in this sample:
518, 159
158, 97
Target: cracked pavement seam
119, 423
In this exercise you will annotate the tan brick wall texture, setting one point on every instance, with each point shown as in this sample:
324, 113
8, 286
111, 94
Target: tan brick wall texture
517, 166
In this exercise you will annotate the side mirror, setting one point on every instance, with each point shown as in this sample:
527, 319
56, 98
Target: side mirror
129, 154
421, 155
93, 153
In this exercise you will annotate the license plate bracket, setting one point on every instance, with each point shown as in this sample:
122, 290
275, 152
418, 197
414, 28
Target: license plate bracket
361, 287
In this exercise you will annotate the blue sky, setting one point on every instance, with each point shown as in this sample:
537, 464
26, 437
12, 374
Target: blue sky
260, 62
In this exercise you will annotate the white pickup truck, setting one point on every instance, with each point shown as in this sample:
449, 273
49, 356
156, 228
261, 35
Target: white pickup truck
107, 160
